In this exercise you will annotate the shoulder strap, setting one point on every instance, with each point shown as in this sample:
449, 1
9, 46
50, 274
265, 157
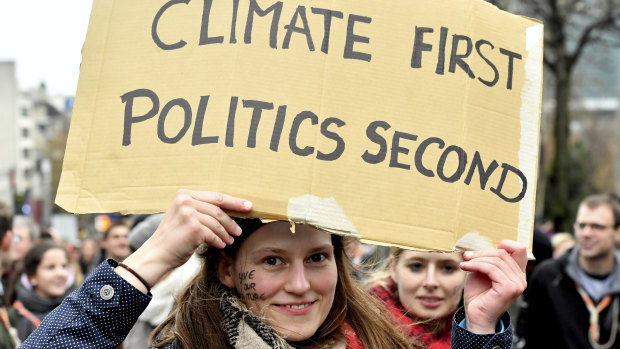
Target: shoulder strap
26, 313
4, 315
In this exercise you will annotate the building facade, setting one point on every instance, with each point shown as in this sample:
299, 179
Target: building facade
30, 146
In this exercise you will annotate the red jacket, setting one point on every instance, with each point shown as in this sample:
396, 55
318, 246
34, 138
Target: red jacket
353, 341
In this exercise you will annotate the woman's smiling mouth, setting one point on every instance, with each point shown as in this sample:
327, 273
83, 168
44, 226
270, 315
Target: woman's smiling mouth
430, 302
297, 308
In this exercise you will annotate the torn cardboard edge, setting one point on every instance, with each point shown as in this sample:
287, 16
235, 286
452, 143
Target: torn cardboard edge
304, 210
469, 242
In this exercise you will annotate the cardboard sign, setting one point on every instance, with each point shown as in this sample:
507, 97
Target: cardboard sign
410, 123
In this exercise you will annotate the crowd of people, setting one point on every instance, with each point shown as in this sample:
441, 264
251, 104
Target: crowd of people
39, 270
195, 277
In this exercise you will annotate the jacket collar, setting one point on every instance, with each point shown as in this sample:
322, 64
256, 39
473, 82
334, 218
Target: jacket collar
570, 262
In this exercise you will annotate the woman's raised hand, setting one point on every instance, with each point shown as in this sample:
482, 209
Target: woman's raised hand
193, 218
495, 280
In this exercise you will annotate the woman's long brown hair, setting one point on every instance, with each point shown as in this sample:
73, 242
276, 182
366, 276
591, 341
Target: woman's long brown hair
196, 321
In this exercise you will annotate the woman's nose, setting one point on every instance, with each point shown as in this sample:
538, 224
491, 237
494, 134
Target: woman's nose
297, 279
430, 281
62, 271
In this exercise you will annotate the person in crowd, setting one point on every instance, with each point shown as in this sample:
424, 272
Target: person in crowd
574, 301
561, 243
164, 292
616, 198
115, 241
46, 280
74, 263
422, 291
8, 316
262, 287
24, 236
90, 256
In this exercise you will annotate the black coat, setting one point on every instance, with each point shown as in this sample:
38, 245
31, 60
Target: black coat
553, 314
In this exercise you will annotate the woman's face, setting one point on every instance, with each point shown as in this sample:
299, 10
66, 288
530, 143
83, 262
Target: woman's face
50, 279
429, 284
290, 279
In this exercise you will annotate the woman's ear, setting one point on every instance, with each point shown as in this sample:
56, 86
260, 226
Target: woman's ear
225, 271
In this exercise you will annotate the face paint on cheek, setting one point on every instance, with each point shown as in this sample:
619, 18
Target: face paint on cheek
247, 287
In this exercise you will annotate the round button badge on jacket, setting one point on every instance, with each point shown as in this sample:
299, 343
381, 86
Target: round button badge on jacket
106, 292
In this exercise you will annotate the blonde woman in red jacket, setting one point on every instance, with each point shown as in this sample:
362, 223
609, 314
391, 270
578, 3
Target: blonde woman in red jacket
423, 291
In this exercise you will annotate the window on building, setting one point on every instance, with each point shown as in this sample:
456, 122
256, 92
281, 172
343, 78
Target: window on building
24, 111
25, 132
26, 153
27, 173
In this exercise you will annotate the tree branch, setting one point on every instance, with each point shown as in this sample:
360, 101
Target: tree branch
537, 8
552, 65
586, 37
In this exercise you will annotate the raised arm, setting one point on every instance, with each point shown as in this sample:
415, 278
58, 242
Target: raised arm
194, 218
100, 313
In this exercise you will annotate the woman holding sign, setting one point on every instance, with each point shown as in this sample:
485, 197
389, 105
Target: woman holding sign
262, 287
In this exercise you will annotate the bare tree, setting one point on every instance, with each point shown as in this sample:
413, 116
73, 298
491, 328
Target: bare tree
570, 26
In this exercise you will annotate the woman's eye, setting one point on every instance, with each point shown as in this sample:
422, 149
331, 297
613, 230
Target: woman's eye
273, 261
318, 257
449, 269
415, 266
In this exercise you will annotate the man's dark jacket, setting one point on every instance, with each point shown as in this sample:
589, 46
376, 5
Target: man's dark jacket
553, 314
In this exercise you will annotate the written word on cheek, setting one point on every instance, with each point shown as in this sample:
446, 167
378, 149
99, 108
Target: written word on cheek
248, 287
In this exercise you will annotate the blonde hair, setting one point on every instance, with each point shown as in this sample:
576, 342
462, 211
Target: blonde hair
560, 238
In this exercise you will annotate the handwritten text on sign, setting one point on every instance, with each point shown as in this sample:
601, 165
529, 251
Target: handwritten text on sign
388, 144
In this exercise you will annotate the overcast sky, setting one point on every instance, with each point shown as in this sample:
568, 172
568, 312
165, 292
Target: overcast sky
44, 38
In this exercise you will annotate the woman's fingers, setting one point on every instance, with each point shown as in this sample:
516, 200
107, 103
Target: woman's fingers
507, 278
514, 253
517, 250
222, 200
204, 213
215, 218
215, 231
508, 262
498, 271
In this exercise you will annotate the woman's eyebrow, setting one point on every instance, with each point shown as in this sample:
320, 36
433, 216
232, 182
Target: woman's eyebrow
421, 259
414, 259
321, 248
273, 250
276, 250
